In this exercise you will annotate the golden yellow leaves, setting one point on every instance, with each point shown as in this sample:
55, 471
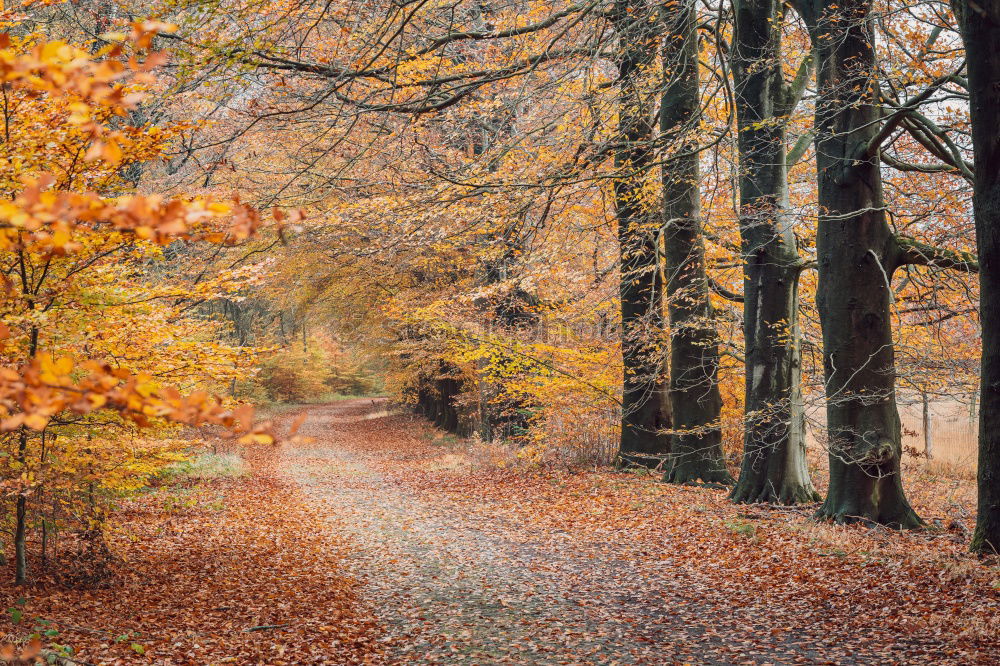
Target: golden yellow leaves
61, 68
94, 84
51, 217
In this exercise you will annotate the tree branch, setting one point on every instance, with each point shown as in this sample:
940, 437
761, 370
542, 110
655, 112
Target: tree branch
910, 251
900, 165
799, 149
721, 290
792, 93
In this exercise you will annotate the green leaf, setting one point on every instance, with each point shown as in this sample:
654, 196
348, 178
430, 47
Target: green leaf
16, 615
138, 649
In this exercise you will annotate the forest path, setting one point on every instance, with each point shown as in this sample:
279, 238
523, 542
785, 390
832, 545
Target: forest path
448, 585
457, 575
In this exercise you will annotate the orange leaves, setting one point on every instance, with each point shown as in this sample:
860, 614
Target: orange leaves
27, 654
57, 67
29, 396
94, 86
246, 551
52, 217
81, 91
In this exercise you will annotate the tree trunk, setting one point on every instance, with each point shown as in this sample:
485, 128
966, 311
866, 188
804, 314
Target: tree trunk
856, 253
696, 405
645, 418
20, 541
926, 424
774, 465
980, 27
21, 510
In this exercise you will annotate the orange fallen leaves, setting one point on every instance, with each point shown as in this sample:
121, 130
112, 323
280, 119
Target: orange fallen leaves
252, 571
749, 582
240, 572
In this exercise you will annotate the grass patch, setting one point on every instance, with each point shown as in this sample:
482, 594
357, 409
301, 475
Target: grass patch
438, 438
742, 528
203, 466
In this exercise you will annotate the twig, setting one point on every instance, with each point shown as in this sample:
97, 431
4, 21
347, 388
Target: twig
265, 626
85, 630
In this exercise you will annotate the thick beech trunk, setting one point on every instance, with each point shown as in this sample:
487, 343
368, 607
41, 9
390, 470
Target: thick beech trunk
856, 253
774, 464
696, 447
980, 27
645, 413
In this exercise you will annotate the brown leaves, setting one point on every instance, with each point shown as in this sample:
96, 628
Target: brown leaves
509, 567
661, 569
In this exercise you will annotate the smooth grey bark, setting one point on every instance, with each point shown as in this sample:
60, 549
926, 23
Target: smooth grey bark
856, 255
696, 404
645, 413
979, 24
774, 465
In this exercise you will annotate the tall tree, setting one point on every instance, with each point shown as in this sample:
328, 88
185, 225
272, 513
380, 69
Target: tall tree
774, 464
856, 254
979, 24
696, 404
645, 411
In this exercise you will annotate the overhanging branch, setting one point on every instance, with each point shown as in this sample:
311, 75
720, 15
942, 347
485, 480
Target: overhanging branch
912, 252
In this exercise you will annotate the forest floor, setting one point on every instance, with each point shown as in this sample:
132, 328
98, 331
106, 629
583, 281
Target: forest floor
372, 538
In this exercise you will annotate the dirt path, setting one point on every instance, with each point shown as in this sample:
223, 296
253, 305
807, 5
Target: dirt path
457, 574
447, 586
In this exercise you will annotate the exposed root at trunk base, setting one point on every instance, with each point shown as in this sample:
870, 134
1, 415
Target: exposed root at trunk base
690, 474
786, 495
713, 486
905, 519
627, 461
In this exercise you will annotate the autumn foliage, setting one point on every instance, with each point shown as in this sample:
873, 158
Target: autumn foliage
94, 359
594, 246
